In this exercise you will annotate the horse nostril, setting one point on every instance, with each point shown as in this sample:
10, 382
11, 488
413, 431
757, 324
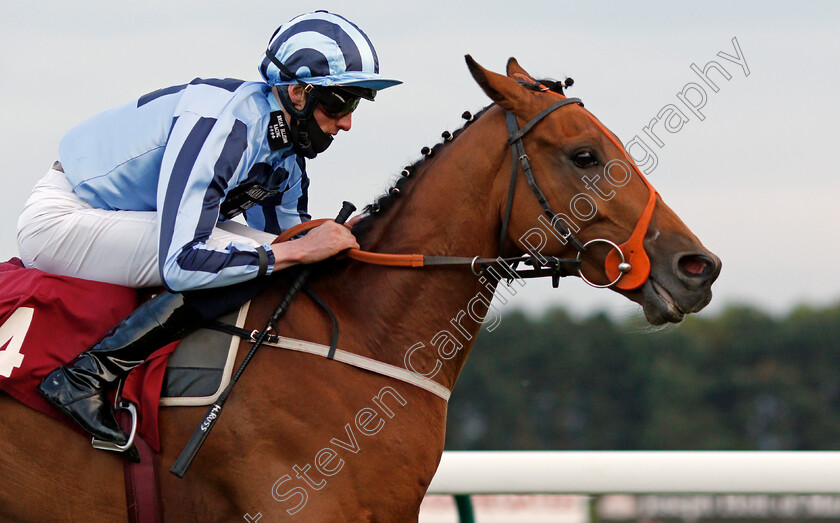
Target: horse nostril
694, 265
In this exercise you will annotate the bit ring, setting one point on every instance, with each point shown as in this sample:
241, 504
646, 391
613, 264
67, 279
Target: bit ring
623, 266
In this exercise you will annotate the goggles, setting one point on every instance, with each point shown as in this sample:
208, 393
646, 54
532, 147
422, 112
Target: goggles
337, 102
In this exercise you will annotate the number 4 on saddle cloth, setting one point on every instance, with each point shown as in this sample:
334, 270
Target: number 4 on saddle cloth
47, 320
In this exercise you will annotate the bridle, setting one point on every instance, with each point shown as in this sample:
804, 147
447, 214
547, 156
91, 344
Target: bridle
627, 264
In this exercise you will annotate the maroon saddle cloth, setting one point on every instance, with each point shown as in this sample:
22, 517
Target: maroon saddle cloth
46, 320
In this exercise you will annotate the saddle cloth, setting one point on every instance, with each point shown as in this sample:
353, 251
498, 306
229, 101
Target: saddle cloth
46, 320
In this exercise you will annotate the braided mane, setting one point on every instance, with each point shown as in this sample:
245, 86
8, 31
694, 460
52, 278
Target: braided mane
385, 201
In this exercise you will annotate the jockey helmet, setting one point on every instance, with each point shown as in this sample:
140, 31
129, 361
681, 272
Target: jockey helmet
323, 49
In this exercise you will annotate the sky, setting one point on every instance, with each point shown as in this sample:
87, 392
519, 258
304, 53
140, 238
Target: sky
754, 178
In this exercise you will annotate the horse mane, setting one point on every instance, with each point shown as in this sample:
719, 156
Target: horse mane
407, 176
385, 201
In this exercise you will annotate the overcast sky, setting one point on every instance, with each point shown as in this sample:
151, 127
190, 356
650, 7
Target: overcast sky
755, 179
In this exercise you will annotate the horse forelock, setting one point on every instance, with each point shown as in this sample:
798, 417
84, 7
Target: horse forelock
386, 201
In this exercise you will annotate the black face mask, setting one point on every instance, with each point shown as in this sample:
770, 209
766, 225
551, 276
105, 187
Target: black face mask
308, 139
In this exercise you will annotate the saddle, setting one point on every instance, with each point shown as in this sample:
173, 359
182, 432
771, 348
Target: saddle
46, 320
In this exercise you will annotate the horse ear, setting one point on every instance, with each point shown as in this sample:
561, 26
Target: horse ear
514, 70
501, 89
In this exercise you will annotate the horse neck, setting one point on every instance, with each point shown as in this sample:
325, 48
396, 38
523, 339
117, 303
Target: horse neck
451, 208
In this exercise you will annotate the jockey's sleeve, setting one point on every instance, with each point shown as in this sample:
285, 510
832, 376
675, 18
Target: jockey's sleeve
203, 155
287, 209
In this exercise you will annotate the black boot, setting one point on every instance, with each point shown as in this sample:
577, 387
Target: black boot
79, 388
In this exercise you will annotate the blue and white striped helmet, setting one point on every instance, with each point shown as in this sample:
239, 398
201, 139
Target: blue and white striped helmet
323, 49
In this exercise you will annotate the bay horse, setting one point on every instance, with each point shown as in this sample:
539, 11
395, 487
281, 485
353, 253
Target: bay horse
310, 439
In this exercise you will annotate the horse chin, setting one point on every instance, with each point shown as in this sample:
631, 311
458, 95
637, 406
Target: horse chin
658, 304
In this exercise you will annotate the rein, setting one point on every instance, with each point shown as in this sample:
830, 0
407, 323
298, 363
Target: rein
552, 266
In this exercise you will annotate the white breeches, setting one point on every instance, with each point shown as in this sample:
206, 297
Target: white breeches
62, 234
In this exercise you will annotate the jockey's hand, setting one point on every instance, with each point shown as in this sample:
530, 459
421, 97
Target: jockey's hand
328, 239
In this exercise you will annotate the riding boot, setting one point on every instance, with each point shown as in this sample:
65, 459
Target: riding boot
79, 388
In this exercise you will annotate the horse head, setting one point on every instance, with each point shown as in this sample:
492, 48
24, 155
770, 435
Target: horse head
596, 201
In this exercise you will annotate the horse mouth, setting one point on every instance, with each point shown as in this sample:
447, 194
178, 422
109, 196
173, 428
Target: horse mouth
659, 306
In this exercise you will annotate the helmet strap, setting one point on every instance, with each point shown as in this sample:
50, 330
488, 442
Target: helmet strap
282, 93
308, 139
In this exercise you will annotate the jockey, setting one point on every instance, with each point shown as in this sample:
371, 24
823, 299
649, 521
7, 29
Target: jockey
144, 195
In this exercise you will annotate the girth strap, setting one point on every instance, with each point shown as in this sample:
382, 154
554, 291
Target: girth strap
142, 487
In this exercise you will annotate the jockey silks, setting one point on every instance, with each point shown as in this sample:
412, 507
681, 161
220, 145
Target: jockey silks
181, 151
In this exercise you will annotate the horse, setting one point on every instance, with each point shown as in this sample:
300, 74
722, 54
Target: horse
311, 439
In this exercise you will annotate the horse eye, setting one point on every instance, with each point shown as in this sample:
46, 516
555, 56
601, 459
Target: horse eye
585, 159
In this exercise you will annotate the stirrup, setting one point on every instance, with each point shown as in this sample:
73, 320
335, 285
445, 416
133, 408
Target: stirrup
119, 404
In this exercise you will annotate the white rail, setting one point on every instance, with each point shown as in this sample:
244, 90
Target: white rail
632, 472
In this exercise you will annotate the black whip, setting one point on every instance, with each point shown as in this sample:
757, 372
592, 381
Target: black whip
203, 430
